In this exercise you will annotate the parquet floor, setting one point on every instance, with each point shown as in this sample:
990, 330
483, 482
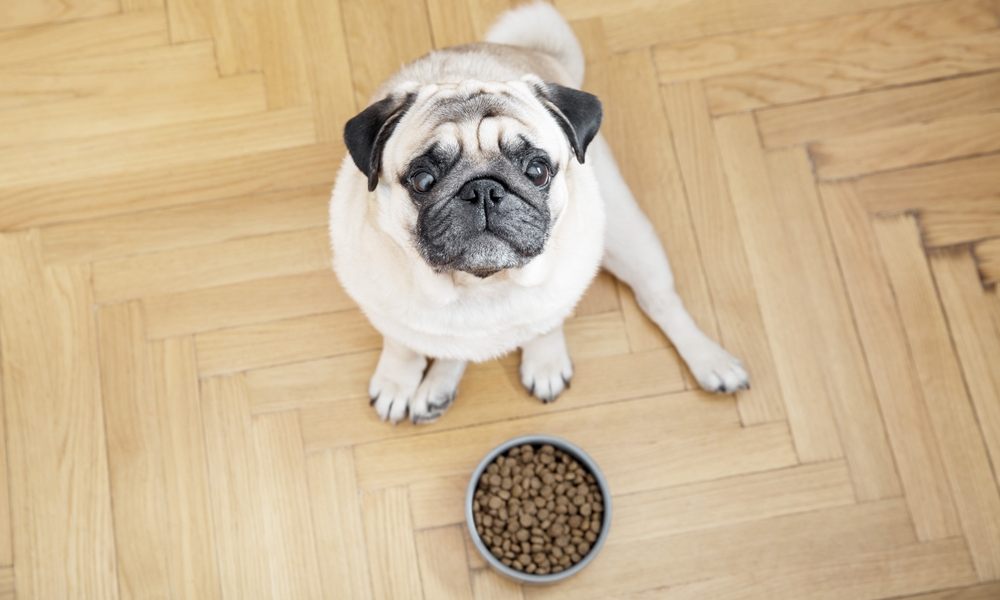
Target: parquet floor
184, 381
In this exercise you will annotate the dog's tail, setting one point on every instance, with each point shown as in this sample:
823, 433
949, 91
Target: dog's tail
539, 26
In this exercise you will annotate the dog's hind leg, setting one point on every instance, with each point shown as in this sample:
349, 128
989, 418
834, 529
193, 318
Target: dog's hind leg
633, 253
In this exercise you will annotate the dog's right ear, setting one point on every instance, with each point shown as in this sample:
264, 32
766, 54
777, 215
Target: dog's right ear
367, 133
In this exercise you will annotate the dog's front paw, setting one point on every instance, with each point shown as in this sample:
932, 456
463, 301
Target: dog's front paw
545, 377
717, 370
437, 391
394, 385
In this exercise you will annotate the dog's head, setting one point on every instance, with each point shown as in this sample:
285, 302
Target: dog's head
474, 173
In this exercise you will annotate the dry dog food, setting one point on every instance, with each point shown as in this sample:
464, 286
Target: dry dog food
537, 509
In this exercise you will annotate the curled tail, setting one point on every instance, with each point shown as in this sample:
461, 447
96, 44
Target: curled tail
539, 26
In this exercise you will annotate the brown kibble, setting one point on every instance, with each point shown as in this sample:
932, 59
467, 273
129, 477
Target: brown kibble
537, 509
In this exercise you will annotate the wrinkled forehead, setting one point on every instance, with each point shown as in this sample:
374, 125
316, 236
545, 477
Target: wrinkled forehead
476, 117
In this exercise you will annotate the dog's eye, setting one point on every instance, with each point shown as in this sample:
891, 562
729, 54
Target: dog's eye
538, 172
422, 181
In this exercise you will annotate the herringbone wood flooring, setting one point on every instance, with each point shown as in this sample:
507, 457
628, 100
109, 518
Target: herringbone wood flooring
184, 381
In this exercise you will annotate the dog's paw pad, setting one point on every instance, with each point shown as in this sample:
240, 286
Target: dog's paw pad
547, 379
719, 371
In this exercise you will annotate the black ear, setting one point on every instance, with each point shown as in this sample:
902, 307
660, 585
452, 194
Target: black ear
578, 113
367, 133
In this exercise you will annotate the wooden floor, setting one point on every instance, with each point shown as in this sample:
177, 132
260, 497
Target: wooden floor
184, 381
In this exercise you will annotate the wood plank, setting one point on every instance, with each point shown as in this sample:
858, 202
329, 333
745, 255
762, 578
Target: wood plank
6, 527
291, 340
283, 491
454, 22
490, 585
678, 441
907, 145
35, 83
824, 537
177, 144
976, 338
59, 492
986, 591
282, 55
818, 39
135, 460
233, 261
438, 502
7, 587
236, 37
848, 115
141, 5
725, 502
988, 257
932, 186
601, 296
334, 393
646, 24
400, 31
888, 573
852, 395
444, 572
85, 37
850, 71
790, 331
106, 114
328, 67
190, 20
972, 484
895, 377
236, 512
238, 304
636, 134
339, 531
157, 187
20, 13
185, 225
724, 256
392, 552
960, 222
191, 549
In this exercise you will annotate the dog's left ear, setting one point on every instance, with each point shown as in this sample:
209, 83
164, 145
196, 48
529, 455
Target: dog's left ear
578, 114
367, 133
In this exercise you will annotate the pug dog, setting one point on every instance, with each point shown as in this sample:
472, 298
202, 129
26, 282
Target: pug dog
477, 203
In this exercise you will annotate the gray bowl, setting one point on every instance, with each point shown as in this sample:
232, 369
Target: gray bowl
575, 452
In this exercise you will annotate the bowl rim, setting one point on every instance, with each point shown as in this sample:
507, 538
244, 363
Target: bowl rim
577, 453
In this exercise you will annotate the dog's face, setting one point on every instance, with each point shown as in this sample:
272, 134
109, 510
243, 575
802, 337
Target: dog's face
474, 172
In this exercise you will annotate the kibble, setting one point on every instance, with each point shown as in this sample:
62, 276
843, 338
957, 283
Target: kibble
537, 509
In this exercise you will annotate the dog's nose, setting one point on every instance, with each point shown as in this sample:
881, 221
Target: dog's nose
479, 191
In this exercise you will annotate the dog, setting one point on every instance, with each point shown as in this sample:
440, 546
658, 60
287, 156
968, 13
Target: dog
476, 205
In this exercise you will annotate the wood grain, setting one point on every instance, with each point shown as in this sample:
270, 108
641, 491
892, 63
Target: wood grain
907, 418
56, 446
962, 446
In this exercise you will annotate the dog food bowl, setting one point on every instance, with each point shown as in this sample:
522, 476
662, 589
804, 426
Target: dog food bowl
537, 441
